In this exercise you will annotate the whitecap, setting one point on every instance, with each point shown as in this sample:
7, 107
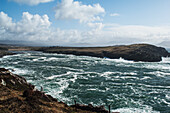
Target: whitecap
35, 60
165, 60
74, 78
92, 89
135, 110
118, 73
166, 102
63, 85
120, 60
7, 56
158, 73
52, 59
157, 66
55, 76
22, 71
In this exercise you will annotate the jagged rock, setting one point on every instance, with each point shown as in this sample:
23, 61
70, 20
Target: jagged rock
3, 83
90, 107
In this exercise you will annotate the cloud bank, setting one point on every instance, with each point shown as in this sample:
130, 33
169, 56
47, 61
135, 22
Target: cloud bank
31, 27
38, 28
69, 9
31, 2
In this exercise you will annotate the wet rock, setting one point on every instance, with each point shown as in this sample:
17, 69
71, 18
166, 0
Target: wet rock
90, 107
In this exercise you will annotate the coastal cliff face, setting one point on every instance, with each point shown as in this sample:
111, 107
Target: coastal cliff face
18, 96
135, 52
4, 51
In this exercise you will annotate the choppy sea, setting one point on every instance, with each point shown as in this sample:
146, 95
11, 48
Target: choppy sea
129, 87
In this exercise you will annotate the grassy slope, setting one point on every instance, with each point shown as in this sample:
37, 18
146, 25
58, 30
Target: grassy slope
16, 95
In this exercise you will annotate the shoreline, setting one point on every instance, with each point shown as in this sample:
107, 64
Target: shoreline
134, 52
67, 105
19, 96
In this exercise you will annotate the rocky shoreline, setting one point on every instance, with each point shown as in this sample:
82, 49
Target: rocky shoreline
16, 95
135, 52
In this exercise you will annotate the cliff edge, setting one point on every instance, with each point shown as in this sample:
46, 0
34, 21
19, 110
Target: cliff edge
18, 96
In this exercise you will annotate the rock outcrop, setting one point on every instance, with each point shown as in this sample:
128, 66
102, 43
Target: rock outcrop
18, 96
135, 52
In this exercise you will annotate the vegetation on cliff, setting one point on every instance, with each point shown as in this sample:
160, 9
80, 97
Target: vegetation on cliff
135, 52
16, 95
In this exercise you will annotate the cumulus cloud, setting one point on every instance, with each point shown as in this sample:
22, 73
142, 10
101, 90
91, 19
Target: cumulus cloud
96, 26
69, 9
114, 14
38, 29
31, 2
31, 27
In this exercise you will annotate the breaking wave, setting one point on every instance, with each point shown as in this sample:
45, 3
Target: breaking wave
129, 87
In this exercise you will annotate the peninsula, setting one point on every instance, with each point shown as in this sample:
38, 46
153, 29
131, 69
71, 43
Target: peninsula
134, 52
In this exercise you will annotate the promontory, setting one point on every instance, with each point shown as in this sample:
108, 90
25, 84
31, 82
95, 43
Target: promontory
135, 52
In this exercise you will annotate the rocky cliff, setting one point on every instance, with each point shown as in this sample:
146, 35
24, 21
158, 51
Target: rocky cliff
18, 96
135, 52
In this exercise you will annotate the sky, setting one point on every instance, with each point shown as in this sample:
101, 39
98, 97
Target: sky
85, 22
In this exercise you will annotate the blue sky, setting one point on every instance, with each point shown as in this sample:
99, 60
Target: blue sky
86, 22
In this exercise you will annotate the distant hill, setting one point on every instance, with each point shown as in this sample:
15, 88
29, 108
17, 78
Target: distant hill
21, 43
165, 44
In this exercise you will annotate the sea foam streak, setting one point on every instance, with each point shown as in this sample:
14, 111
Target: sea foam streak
129, 87
135, 110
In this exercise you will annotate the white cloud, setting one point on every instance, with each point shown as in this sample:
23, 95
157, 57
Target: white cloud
96, 26
31, 2
114, 14
69, 9
31, 27
38, 29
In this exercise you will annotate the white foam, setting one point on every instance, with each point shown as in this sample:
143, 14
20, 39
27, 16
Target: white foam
165, 60
119, 73
158, 73
167, 96
135, 110
120, 60
166, 102
20, 71
69, 68
144, 78
63, 85
7, 56
35, 60
52, 59
74, 78
55, 76
157, 66
152, 86
92, 89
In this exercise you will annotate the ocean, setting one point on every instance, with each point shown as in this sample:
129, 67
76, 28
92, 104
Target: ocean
129, 87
